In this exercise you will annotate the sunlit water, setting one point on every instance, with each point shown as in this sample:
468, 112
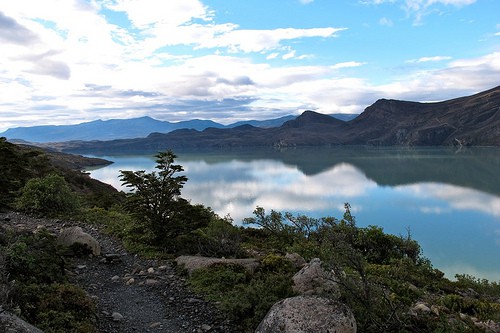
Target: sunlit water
448, 200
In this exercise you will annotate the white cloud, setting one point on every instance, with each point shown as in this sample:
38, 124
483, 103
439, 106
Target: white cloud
262, 40
429, 59
272, 56
386, 22
289, 55
306, 2
147, 13
347, 64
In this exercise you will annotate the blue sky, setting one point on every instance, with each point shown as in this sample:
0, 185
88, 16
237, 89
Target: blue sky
70, 61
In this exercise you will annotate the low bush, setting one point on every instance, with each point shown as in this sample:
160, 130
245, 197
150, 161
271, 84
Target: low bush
34, 257
33, 280
219, 239
244, 296
57, 308
49, 196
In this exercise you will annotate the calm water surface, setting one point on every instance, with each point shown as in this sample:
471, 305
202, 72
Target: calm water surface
448, 199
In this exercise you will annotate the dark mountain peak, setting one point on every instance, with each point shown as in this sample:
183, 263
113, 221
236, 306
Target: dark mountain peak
312, 118
392, 106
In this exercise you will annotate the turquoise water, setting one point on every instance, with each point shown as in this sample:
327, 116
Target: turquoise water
448, 200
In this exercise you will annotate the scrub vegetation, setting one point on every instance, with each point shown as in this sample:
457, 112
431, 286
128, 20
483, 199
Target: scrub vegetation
381, 277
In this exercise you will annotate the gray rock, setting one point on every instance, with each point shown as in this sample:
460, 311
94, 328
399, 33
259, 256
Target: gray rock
75, 235
10, 323
296, 260
303, 314
312, 279
420, 308
192, 263
489, 326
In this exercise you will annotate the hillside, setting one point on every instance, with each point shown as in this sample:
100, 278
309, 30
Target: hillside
19, 163
468, 121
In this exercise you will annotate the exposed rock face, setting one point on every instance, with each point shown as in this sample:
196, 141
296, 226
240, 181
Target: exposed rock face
192, 263
304, 314
10, 323
75, 235
313, 280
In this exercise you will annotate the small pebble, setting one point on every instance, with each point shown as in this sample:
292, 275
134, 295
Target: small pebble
117, 316
155, 325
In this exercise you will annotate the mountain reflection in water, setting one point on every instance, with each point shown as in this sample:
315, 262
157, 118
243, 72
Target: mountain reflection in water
449, 200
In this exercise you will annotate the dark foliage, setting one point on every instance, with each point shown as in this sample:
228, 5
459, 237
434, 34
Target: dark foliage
161, 215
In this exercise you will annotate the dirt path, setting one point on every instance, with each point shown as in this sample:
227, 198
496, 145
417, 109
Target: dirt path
132, 294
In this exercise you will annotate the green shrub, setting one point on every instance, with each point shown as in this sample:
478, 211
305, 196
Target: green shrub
219, 239
116, 221
34, 258
57, 308
49, 196
217, 280
33, 271
483, 286
245, 297
5, 286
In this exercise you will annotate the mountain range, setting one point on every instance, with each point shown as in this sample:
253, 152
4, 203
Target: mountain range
128, 128
465, 121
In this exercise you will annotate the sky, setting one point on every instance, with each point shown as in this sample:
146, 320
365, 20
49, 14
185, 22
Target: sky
71, 61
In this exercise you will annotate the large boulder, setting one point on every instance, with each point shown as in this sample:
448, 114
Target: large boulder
304, 314
192, 263
312, 279
75, 235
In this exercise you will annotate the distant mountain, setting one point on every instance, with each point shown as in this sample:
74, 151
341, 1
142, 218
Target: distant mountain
465, 121
103, 130
345, 116
280, 121
122, 129
263, 123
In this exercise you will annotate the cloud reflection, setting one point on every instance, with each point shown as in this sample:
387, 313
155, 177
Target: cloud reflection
456, 197
241, 186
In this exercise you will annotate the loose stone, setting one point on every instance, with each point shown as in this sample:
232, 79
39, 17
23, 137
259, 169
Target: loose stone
117, 316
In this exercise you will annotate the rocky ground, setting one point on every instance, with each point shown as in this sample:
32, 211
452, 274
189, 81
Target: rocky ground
132, 294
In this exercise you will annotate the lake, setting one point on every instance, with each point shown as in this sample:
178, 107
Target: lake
448, 199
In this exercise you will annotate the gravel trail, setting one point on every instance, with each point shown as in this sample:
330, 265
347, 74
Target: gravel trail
132, 294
